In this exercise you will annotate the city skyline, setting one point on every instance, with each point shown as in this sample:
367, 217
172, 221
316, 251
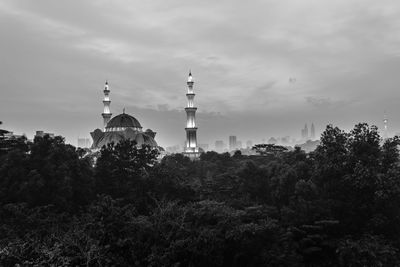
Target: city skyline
263, 69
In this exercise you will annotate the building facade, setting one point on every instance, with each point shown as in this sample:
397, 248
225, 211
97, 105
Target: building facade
219, 146
84, 142
232, 142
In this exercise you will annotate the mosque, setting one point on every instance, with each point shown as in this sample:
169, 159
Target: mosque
120, 127
124, 126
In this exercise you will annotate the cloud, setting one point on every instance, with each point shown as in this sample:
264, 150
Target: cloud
162, 107
319, 102
266, 87
49, 26
113, 49
241, 54
326, 103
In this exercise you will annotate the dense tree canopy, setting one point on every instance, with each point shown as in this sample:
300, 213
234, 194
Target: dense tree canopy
336, 206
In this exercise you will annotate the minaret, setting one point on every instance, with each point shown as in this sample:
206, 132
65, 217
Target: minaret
107, 112
191, 150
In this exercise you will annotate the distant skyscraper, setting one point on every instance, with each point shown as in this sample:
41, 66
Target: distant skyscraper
191, 149
385, 126
304, 132
232, 142
238, 144
204, 146
42, 134
272, 141
219, 146
285, 140
312, 131
84, 142
173, 149
249, 144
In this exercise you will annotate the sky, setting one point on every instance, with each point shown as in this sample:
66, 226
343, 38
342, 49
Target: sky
261, 68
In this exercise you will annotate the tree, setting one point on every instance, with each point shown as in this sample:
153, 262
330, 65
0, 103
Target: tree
9, 143
367, 251
269, 149
255, 183
390, 153
51, 173
336, 206
331, 162
364, 146
121, 168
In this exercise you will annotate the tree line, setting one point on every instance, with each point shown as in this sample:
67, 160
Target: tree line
336, 206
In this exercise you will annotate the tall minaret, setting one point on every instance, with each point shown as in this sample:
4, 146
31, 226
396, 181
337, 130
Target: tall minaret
191, 150
107, 112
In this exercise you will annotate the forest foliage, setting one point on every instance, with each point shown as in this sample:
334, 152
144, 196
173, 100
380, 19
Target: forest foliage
336, 206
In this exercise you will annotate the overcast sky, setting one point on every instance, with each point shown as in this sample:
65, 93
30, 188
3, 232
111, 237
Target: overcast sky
261, 68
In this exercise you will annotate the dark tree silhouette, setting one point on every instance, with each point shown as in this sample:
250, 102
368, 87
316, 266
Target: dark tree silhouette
269, 149
336, 206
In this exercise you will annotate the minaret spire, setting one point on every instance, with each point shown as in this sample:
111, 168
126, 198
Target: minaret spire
191, 149
106, 101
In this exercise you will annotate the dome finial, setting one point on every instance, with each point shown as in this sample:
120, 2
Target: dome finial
106, 82
123, 110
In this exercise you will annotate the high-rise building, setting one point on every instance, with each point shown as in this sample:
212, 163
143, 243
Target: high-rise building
42, 134
204, 147
304, 132
219, 146
312, 131
249, 144
272, 141
385, 126
191, 149
84, 142
285, 140
232, 142
173, 149
238, 144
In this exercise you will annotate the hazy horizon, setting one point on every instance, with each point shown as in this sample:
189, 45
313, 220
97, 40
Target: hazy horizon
261, 69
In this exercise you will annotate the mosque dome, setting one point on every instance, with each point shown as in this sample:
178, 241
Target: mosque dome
123, 127
123, 121
139, 137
